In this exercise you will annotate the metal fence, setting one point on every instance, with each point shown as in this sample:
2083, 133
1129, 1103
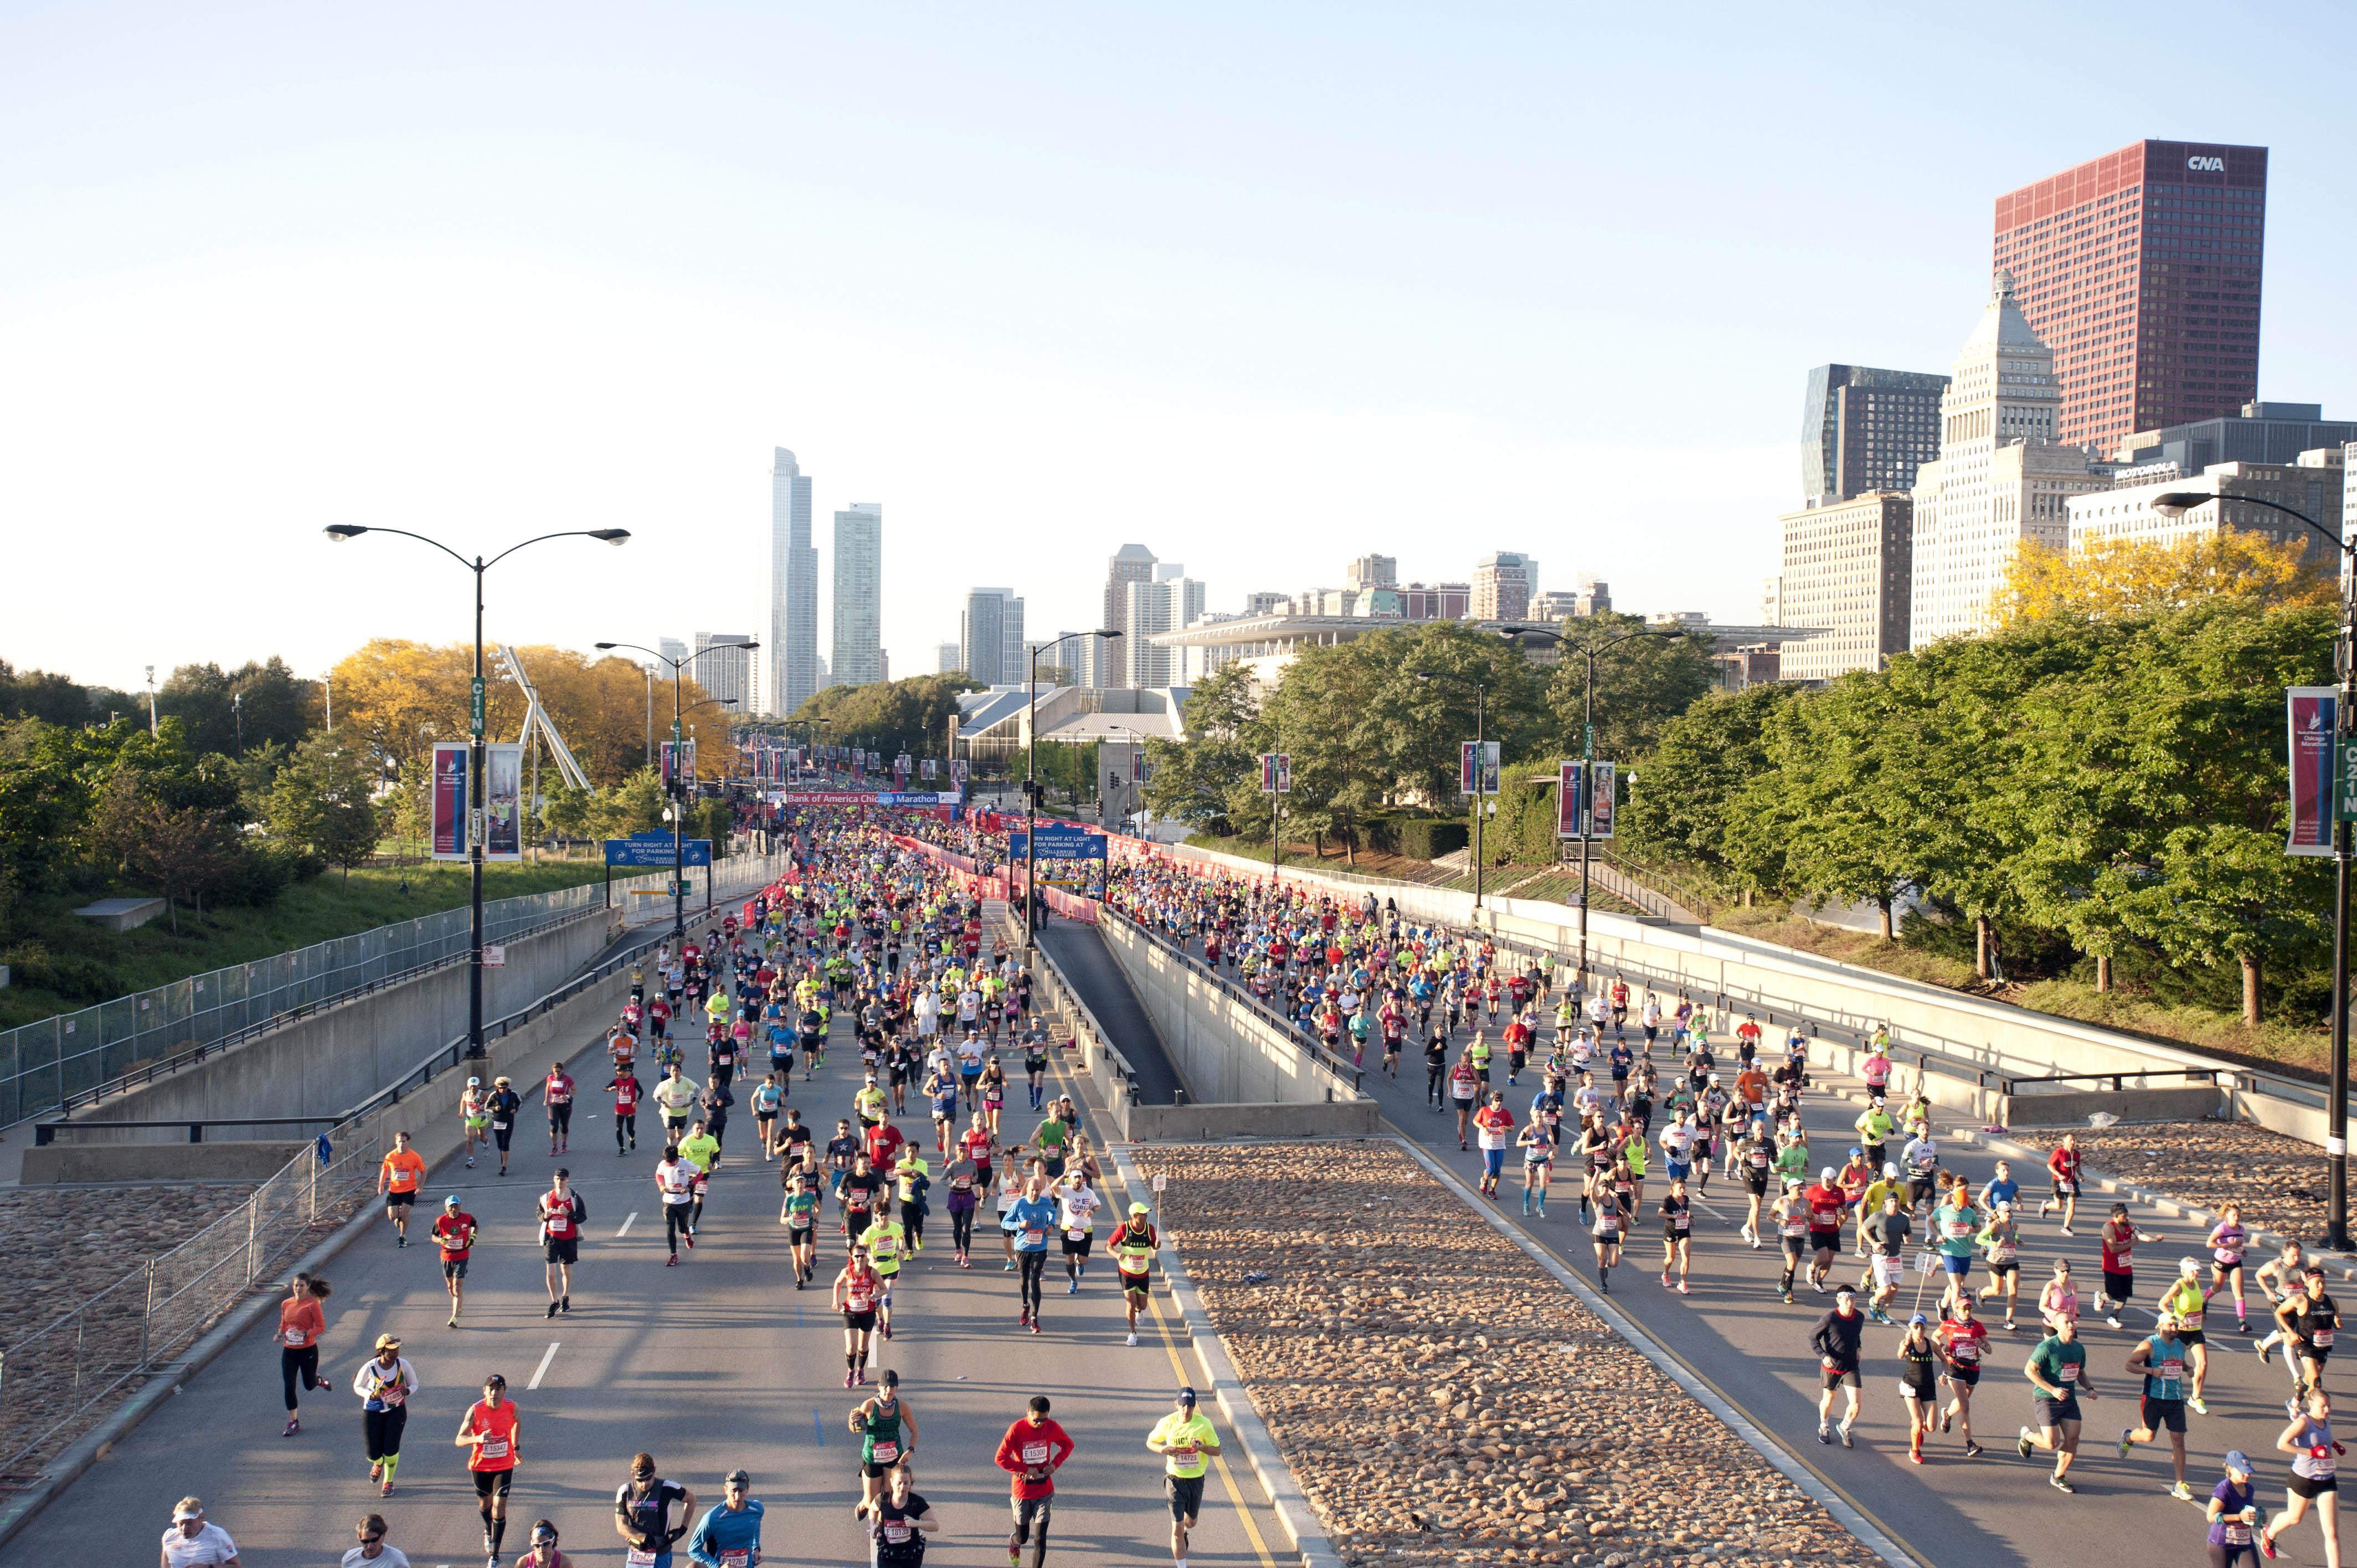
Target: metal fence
43, 1064
56, 1381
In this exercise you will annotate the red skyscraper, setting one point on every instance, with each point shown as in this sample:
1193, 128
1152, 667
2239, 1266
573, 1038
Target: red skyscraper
2141, 271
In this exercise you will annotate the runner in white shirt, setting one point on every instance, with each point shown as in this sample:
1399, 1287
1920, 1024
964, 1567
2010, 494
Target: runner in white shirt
373, 1551
190, 1542
1076, 1208
929, 1013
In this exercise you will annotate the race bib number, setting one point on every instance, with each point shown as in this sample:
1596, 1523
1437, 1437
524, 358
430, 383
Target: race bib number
737, 1557
1682, 1221
639, 1557
2320, 1461
1081, 1233
1034, 1238
492, 1448
885, 1452
1035, 1453
2237, 1533
295, 1339
499, 1126
2321, 1339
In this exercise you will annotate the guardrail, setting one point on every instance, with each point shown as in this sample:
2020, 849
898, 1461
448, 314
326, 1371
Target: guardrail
1091, 1036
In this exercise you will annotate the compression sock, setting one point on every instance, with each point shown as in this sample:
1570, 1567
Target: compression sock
499, 1531
391, 1462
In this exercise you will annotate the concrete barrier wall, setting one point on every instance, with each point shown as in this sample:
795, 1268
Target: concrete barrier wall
254, 1161
333, 1060
1226, 1053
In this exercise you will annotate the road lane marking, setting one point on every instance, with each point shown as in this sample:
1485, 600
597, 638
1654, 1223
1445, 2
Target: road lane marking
818, 1428
625, 1225
1227, 1477
542, 1370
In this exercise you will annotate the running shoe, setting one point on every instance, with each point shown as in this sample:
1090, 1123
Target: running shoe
2125, 1444
1825, 1434
293, 1426
2181, 1492
2023, 1444
1846, 1441
2061, 1484
1133, 1338
1972, 1450
2261, 1347
2197, 1406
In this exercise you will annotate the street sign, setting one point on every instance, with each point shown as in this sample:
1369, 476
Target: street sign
654, 851
494, 956
475, 708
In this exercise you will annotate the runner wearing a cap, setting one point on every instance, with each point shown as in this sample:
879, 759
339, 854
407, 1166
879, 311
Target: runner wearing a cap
1790, 1212
2185, 1299
1918, 1381
190, 1542
1031, 1452
385, 1384
503, 1102
1133, 1246
1835, 1342
2160, 1359
491, 1432
474, 1116
643, 1516
2234, 1515
730, 1533
1185, 1438
455, 1232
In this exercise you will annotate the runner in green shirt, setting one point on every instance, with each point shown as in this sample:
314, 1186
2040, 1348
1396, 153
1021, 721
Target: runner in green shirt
1049, 1140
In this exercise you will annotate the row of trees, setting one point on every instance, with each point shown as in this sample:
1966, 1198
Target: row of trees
888, 716
1374, 725
2109, 782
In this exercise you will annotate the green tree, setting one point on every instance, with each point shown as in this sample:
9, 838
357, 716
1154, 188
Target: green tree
1642, 684
1833, 798
891, 717
324, 801
568, 812
1193, 781
633, 806
177, 852
1694, 799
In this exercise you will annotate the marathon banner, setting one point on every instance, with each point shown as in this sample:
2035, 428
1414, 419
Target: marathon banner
872, 798
2312, 712
448, 835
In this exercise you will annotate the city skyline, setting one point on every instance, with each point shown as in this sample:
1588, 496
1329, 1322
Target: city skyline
673, 291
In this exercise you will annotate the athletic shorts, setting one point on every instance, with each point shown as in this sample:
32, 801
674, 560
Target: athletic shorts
2120, 1287
1890, 1271
493, 1482
1186, 1495
1135, 1284
1957, 1267
1909, 1390
800, 1235
2161, 1415
1077, 1247
862, 1321
1824, 1240
1964, 1375
400, 1199
2305, 1487
454, 1268
2009, 1266
2049, 1414
1834, 1377
1757, 1181
567, 1251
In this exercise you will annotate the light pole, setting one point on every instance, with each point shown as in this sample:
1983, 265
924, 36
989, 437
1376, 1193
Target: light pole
2175, 503
1480, 770
1031, 778
341, 532
1587, 649
678, 872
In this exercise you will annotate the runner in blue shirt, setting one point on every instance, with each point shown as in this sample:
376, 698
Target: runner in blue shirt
1029, 1221
729, 1534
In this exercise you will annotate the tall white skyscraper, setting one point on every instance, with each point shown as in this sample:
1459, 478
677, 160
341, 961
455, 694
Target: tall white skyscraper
1167, 604
945, 658
726, 676
2000, 478
990, 636
859, 595
672, 648
1130, 564
792, 588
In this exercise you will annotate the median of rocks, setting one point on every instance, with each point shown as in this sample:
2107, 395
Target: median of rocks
65, 1244
2278, 1180
1439, 1397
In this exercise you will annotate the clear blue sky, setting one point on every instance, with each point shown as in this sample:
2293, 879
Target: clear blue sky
1261, 286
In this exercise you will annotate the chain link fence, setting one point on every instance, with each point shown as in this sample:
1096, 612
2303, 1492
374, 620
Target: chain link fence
58, 1382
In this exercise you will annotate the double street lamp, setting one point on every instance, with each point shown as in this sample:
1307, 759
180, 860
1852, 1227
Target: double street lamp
1031, 778
1588, 648
339, 532
1480, 768
678, 755
2175, 503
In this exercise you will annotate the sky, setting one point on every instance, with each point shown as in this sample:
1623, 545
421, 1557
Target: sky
1261, 286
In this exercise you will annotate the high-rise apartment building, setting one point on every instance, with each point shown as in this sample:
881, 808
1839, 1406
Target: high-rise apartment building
726, 676
858, 594
792, 588
2261, 433
673, 649
990, 636
1849, 574
2001, 476
1167, 604
1502, 585
2141, 270
1130, 564
1864, 429
1440, 601
1265, 602
1372, 572
945, 658
2314, 485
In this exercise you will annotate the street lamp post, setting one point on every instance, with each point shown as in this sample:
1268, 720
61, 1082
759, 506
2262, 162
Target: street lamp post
1031, 778
1481, 754
678, 806
341, 532
2175, 503
1588, 648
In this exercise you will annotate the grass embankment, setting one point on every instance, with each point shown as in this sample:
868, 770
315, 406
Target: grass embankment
63, 962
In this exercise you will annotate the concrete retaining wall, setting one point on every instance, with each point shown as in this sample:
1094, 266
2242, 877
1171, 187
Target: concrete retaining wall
333, 1060
2071, 1108
1226, 1053
254, 1161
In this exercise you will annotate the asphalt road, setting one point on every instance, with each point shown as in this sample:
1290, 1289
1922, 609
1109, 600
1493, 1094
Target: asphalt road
1080, 952
714, 1364
1953, 1512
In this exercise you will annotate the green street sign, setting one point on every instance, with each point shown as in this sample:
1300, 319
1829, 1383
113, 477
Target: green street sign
475, 708
2345, 804
1588, 742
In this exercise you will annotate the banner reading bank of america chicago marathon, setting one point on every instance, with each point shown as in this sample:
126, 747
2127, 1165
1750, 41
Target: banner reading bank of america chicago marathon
2311, 748
449, 836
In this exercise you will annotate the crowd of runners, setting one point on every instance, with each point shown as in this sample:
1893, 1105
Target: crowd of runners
952, 1107
1624, 1086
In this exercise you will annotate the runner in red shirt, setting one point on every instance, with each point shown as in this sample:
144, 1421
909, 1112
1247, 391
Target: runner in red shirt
625, 1085
1963, 1342
1032, 1451
489, 1434
2063, 1164
562, 1213
455, 1234
556, 1090
1493, 1124
1828, 1208
884, 1143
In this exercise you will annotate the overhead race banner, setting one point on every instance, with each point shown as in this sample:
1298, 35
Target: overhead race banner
450, 799
2311, 712
872, 798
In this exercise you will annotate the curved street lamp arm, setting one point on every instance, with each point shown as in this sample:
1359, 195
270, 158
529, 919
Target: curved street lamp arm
421, 539
561, 533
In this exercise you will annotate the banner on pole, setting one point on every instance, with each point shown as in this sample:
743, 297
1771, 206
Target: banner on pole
1477, 774
2311, 710
450, 795
503, 803
1599, 805
1276, 773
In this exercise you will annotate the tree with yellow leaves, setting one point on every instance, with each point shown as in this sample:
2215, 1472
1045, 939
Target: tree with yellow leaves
2109, 578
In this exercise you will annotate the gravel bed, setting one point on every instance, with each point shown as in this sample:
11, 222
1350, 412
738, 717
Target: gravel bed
64, 1243
1440, 1398
2278, 1180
